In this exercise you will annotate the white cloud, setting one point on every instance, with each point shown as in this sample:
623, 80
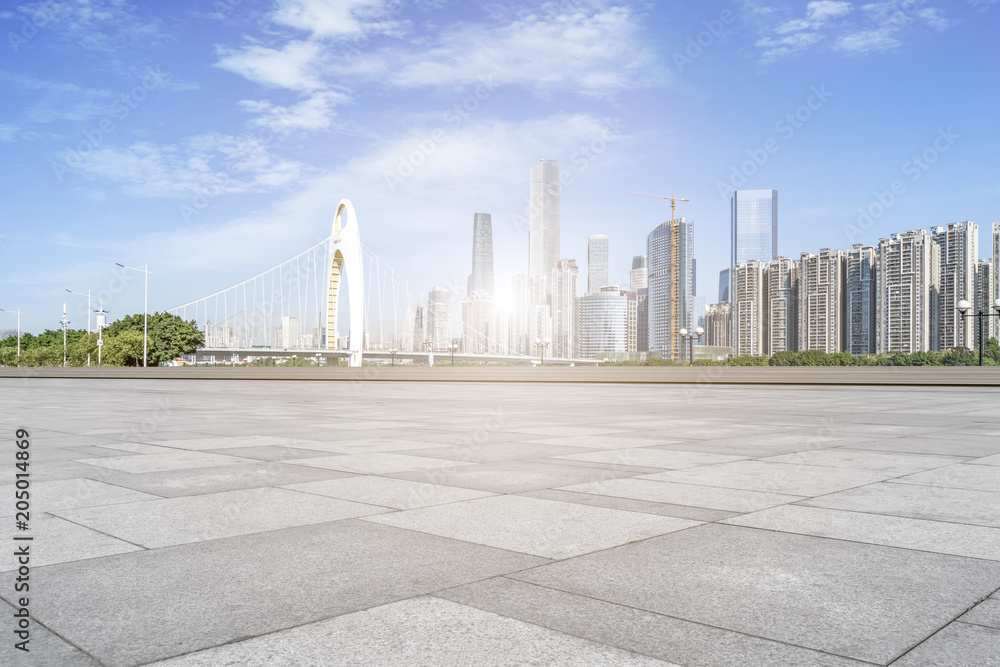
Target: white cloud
821, 10
313, 113
335, 18
95, 25
221, 164
544, 51
294, 66
867, 41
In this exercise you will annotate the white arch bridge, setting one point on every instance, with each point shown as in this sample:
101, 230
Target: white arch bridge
291, 310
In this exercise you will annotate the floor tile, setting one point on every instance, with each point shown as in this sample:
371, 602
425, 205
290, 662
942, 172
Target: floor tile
387, 492
729, 500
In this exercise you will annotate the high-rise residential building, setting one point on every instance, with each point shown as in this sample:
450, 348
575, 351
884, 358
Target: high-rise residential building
821, 301
476, 309
859, 288
287, 335
482, 255
669, 251
996, 276
500, 332
543, 238
638, 277
781, 278
754, 226
725, 283
439, 318
413, 328
906, 293
519, 314
565, 292
699, 309
598, 272
749, 309
718, 327
642, 319
958, 254
632, 322
984, 301
604, 322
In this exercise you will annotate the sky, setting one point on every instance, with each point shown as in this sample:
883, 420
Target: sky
214, 139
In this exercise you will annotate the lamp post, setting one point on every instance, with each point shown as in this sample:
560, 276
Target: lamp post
453, 348
690, 337
145, 309
541, 345
65, 323
18, 311
89, 330
964, 307
100, 330
392, 356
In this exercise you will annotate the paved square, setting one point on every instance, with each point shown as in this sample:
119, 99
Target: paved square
440, 523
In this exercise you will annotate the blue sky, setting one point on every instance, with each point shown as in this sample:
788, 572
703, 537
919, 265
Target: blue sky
214, 139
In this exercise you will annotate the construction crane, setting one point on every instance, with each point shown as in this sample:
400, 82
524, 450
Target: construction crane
672, 198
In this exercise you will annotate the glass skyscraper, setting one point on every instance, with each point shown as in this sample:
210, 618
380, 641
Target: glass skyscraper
543, 238
669, 250
597, 262
482, 255
754, 226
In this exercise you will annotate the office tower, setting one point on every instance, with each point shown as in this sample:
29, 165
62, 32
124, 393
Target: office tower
749, 309
699, 309
984, 301
500, 332
565, 291
482, 255
669, 250
413, 328
725, 282
694, 276
996, 277
781, 278
287, 335
642, 319
519, 314
958, 253
539, 327
821, 302
603, 322
439, 318
632, 322
754, 231
859, 285
476, 309
543, 238
597, 262
718, 328
906, 293
638, 278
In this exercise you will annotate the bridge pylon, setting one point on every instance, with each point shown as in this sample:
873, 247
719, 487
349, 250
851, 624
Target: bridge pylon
345, 260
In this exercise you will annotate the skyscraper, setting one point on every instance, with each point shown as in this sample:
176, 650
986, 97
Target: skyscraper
476, 309
860, 293
638, 278
603, 322
821, 303
754, 226
717, 325
413, 328
543, 238
725, 282
906, 298
439, 318
781, 277
482, 255
749, 309
958, 253
669, 250
565, 292
984, 300
597, 262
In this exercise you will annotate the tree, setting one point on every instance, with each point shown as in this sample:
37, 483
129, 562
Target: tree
169, 336
123, 349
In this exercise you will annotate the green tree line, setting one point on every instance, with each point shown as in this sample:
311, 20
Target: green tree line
169, 337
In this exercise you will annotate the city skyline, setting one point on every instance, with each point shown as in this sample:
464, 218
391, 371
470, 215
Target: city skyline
213, 144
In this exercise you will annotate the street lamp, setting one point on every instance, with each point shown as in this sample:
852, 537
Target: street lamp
100, 330
145, 308
964, 307
18, 311
65, 323
88, 315
690, 338
453, 348
392, 356
541, 345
